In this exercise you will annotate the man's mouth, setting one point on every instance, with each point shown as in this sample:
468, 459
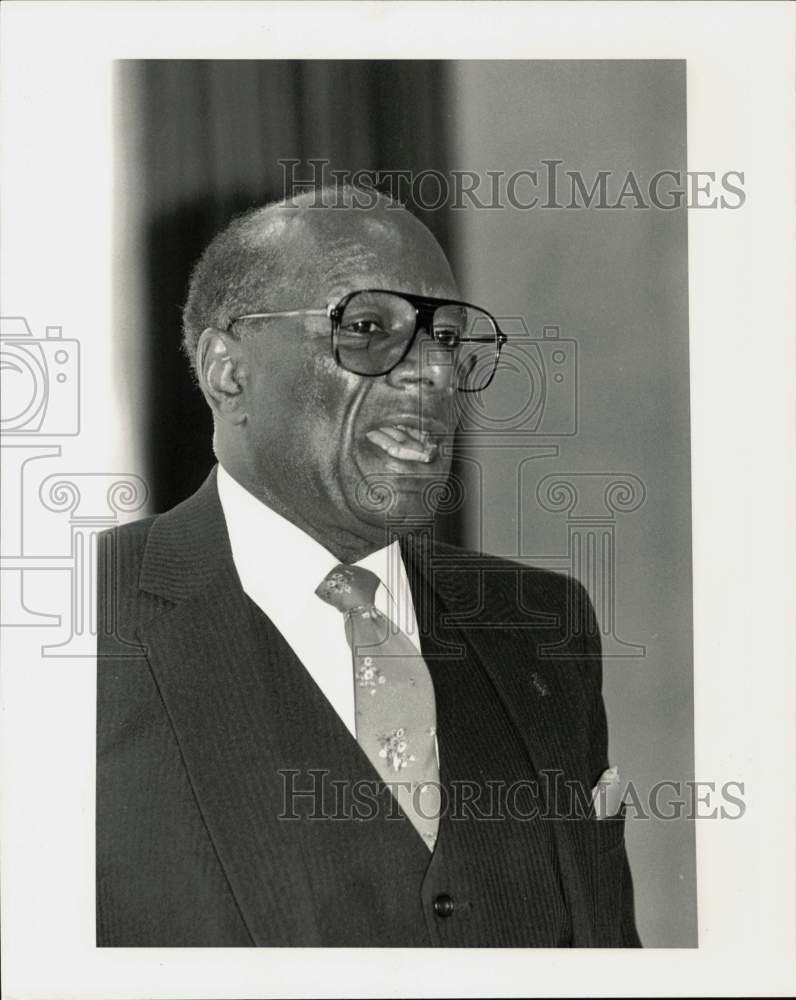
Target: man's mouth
404, 441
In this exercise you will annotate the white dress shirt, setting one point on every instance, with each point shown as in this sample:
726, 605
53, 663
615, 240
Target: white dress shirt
280, 566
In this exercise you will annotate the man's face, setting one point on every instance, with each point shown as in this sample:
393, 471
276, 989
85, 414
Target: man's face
341, 452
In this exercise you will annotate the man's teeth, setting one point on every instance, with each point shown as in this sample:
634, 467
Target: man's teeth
402, 442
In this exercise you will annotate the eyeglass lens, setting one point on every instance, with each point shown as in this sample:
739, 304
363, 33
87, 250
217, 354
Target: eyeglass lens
375, 330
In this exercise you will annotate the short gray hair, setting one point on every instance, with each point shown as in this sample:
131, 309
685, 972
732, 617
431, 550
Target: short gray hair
245, 265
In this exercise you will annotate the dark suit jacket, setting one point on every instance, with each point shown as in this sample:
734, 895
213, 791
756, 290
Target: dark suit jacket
189, 848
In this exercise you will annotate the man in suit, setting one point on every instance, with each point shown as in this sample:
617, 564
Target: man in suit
316, 724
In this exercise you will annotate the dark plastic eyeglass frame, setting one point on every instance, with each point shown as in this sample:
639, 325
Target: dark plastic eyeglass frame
424, 306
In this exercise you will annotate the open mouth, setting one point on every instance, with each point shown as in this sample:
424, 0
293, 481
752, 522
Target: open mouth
406, 440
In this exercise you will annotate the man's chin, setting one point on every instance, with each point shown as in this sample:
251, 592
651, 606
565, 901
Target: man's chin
386, 490
387, 497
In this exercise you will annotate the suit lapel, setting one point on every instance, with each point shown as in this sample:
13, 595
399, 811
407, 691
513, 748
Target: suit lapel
209, 659
209, 656
534, 692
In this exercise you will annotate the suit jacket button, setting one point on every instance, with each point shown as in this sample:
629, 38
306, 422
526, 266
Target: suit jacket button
443, 905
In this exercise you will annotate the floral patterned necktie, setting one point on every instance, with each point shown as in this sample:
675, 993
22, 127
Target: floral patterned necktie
395, 707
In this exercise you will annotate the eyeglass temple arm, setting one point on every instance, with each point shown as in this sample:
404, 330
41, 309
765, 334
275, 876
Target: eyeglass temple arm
285, 312
501, 339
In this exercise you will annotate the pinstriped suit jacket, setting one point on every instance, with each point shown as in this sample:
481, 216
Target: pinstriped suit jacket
186, 828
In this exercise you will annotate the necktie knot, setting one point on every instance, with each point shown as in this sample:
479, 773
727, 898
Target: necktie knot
348, 587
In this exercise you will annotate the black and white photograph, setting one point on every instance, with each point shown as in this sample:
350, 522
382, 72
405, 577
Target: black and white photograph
434, 371
383, 522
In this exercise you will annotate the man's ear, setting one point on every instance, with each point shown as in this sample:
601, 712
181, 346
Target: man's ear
222, 372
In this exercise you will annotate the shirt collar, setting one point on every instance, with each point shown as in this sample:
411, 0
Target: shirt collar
279, 565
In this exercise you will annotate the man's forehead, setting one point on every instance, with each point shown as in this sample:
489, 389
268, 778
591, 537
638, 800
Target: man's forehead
337, 282
349, 230
339, 249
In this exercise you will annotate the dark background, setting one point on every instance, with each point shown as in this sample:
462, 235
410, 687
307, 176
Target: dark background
213, 134
197, 142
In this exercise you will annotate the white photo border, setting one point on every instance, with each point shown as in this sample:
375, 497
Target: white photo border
58, 212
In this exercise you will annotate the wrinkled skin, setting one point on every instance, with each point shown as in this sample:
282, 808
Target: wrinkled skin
301, 433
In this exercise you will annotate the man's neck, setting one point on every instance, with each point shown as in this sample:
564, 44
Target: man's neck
346, 546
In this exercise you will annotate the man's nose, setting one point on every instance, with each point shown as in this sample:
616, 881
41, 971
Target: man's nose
428, 364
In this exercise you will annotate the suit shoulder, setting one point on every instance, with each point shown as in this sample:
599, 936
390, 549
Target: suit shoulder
121, 551
133, 531
129, 537
544, 586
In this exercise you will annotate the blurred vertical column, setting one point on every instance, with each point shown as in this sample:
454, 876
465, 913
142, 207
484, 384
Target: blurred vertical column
131, 360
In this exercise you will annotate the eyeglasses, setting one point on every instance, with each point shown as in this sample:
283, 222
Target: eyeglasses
373, 330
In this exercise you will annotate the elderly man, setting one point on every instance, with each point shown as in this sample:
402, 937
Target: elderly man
316, 725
